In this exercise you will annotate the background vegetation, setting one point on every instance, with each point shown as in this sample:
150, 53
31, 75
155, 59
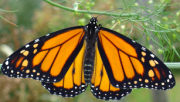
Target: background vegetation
153, 23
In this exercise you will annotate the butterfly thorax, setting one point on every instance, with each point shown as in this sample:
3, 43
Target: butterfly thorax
91, 37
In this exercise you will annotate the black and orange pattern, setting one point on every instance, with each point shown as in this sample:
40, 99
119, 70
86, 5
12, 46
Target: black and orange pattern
68, 60
100, 82
130, 65
73, 82
39, 60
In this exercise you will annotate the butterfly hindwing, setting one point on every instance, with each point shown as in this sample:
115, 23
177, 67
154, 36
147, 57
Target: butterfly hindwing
101, 85
47, 58
73, 82
130, 65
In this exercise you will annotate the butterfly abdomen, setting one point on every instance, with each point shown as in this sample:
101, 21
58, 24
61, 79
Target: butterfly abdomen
89, 63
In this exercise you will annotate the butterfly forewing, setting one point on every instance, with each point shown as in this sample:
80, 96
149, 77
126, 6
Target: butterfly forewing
47, 58
130, 65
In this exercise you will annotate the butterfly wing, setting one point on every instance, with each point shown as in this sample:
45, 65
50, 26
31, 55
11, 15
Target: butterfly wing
73, 82
130, 65
101, 85
47, 58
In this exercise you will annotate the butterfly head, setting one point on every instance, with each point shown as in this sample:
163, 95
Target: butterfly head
93, 21
92, 29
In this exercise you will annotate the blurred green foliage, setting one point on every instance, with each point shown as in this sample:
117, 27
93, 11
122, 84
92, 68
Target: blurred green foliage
156, 26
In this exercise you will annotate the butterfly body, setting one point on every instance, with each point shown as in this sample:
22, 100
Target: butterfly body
66, 61
91, 30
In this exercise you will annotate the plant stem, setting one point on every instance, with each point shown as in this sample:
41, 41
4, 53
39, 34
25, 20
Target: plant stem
92, 12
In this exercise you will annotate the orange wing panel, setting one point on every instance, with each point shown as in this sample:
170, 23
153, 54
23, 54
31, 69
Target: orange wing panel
100, 78
46, 64
157, 73
96, 77
113, 58
120, 43
59, 84
112, 88
64, 53
127, 66
19, 61
137, 65
39, 57
78, 65
68, 79
59, 39
104, 81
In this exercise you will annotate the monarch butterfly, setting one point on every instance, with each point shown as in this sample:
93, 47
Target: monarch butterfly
66, 61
